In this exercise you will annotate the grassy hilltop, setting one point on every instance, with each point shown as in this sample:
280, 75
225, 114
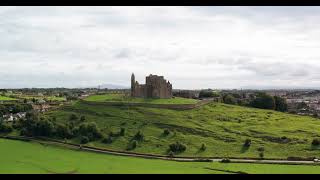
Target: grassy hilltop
222, 128
123, 98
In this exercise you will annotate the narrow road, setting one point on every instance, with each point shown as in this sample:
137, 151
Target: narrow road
180, 159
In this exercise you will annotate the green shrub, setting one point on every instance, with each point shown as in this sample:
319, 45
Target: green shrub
171, 154
166, 132
316, 142
247, 143
63, 131
261, 149
203, 147
139, 136
107, 140
177, 147
90, 130
133, 144
82, 118
73, 117
261, 155
84, 140
122, 131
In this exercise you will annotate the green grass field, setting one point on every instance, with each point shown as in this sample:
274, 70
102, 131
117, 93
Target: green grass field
123, 98
19, 157
5, 98
222, 128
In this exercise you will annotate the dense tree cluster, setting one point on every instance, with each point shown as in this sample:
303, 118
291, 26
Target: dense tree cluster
35, 126
14, 108
281, 104
208, 94
263, 101
5, 128
229, 99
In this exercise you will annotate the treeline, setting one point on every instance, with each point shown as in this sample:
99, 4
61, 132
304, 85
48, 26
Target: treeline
14, 108
257, 100
76, 126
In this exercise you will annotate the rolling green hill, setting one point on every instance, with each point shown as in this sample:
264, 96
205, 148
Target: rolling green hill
25, 157
222, 128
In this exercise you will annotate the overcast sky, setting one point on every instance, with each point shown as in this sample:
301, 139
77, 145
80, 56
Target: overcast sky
193, 47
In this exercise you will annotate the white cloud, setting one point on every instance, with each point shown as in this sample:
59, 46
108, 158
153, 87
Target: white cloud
193, 47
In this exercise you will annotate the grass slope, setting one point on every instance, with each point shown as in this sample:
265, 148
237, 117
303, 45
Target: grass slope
223, 128
25, 157
122, 98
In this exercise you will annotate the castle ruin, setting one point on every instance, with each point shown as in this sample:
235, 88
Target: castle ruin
155, 87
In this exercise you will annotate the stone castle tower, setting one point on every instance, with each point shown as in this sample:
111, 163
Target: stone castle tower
155, 87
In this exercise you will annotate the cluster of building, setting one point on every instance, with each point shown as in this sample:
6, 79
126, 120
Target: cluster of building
14, 117
302, 102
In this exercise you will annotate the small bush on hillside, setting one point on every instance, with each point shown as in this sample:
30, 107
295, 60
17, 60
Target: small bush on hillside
122, 131
177, 147
166, 132
112, 134
133, 145
139, 136
171, 154
261, 155
316, 142
107, 140
84, 140
90, 130
261, 149
63, 131
247, 143
82, 118
203, 147
73, 117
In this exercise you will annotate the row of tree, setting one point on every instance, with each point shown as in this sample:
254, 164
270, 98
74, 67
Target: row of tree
260, 100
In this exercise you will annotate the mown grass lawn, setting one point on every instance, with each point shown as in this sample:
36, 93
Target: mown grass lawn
19, 157
122, 98
222, 128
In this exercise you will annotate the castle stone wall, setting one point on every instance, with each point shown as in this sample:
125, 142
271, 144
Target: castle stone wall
155, 87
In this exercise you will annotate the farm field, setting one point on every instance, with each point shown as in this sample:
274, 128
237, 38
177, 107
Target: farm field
26, 157
123, 98
222, 128
5, 98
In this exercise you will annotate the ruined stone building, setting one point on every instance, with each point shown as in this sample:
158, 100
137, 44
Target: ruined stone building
155, 87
